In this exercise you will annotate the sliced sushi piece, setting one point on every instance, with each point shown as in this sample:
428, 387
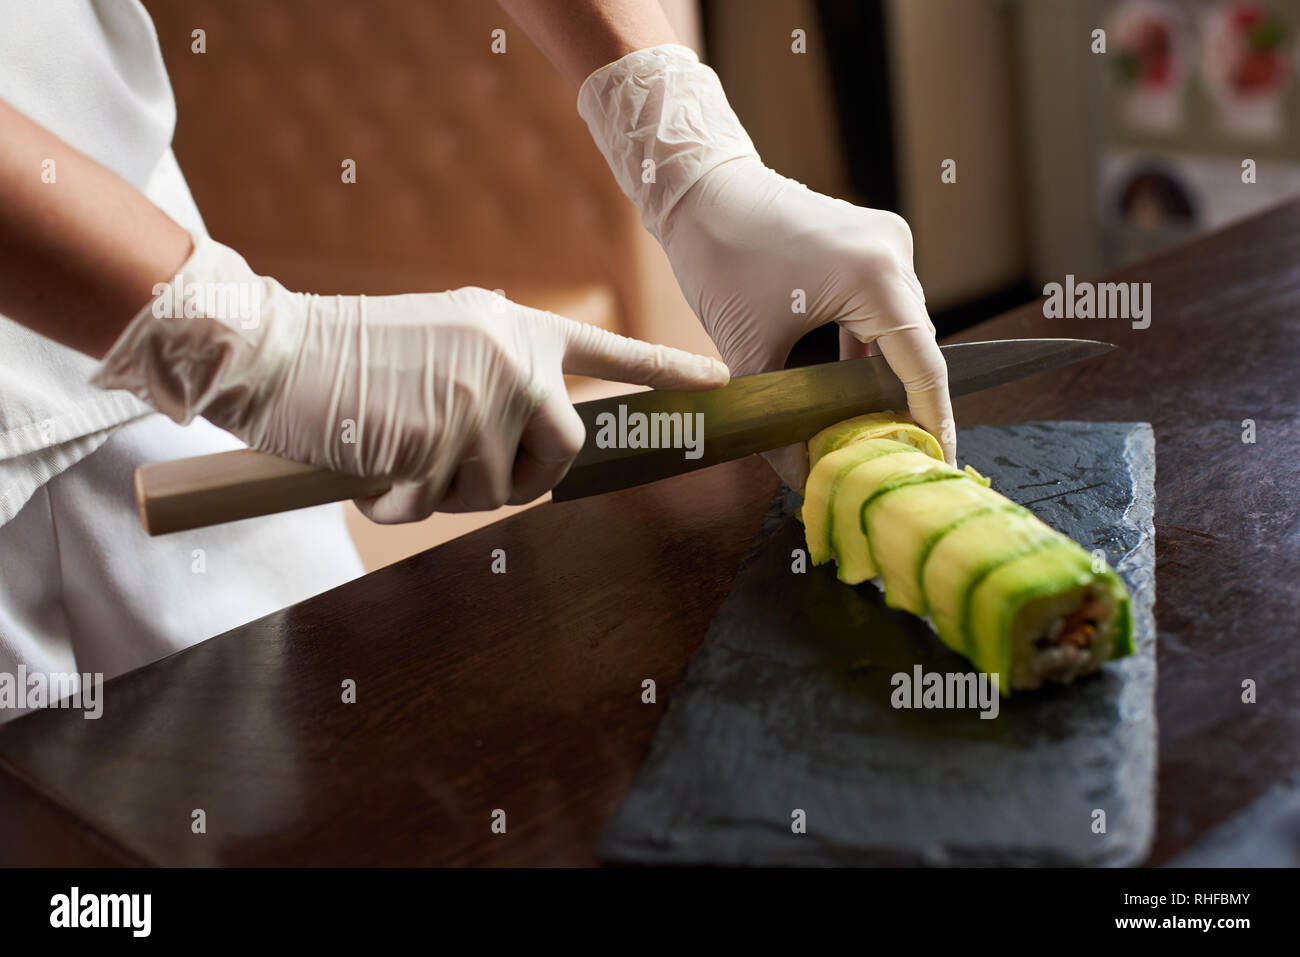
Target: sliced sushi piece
1048, 617
893, 426
964, 553
823, 482
906, 520
875, 425
848, 539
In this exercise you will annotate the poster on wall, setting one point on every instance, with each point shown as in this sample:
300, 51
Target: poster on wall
1149, 199
1246, 52
1151, 53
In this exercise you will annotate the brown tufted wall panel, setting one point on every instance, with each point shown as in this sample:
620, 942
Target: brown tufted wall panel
473, 167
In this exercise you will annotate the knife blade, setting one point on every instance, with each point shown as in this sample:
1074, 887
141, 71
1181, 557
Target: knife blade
749, 414
773, 409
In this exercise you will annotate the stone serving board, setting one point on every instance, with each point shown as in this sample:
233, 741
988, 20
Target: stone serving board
785, 713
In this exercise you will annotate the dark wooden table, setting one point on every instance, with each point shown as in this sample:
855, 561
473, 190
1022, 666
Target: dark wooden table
522, 692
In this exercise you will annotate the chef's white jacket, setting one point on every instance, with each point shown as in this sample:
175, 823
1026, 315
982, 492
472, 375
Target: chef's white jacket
81, 586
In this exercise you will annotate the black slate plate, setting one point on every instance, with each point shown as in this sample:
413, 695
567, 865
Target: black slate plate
786, 708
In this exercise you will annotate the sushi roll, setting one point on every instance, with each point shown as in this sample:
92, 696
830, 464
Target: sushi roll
999, 586
842, 447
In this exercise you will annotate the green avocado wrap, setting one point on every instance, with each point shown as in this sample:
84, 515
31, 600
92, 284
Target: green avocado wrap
1018, 598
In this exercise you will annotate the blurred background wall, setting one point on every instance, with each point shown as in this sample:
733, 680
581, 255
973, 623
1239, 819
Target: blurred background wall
1084, 133
1072, 156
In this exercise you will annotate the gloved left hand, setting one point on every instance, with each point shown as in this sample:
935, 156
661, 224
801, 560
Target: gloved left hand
761, 258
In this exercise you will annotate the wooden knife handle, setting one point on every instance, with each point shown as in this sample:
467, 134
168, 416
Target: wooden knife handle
227, 486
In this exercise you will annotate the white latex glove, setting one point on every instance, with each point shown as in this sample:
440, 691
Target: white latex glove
744, 240
460, 394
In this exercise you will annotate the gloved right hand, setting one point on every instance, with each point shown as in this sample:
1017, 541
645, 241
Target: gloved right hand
458, 396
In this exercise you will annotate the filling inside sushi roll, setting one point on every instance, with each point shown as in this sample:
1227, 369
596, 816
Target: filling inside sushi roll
1047, 617
1061, 637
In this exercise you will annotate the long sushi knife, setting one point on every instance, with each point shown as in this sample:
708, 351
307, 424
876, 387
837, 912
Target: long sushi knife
750, 414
